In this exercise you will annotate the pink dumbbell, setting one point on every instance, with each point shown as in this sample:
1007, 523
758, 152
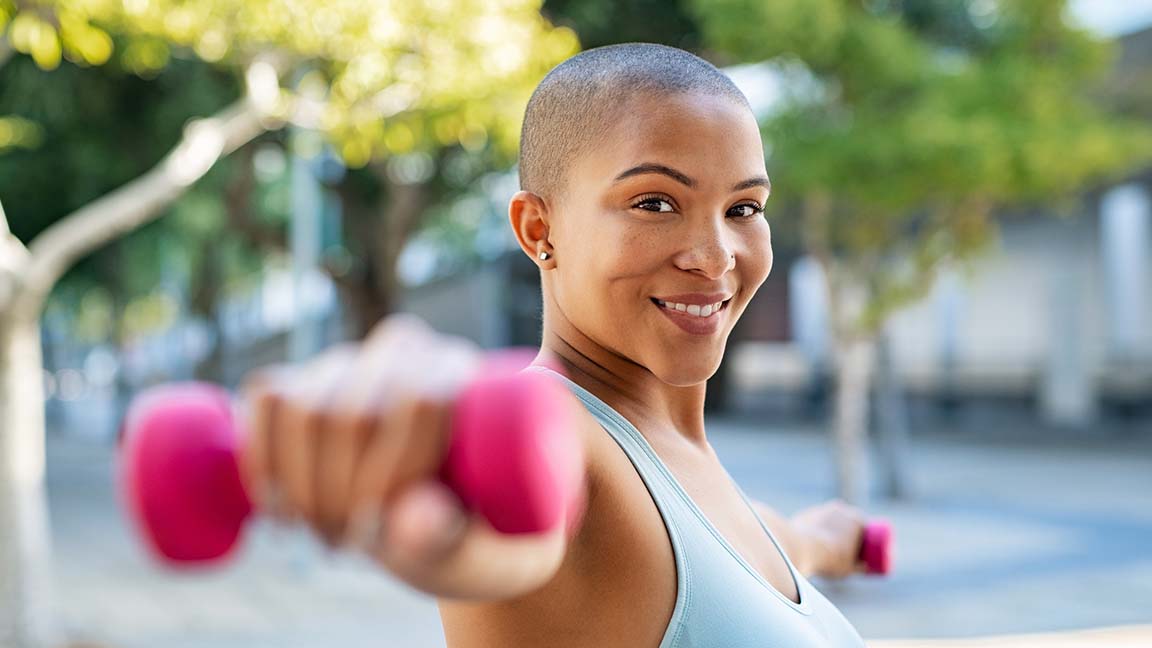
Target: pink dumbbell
876, 547
514, 458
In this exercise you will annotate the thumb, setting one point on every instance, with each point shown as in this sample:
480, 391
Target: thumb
424, 523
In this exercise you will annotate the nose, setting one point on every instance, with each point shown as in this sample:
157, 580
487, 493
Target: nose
709, 252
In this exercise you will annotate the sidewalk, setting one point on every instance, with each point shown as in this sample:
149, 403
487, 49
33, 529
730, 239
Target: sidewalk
1003, 539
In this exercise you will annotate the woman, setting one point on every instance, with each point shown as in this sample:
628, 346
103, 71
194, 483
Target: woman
642, 191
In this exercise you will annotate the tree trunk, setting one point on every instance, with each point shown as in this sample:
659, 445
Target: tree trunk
206, 286
855, 356
377, 231
25, 551
406, 203
357, 286
850, 419
26, 278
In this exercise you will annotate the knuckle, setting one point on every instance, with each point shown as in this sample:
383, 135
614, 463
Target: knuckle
315, 417
426, 406
360, 422
262, 399
398, 325
264, 379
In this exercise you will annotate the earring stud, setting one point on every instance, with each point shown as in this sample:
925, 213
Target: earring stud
544, 256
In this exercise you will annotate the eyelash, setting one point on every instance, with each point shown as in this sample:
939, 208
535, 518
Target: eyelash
756, 209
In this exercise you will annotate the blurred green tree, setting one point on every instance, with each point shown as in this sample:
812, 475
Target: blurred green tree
379, 80
100, 127
905, 125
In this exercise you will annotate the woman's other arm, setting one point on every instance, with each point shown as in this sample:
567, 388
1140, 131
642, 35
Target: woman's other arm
822, 540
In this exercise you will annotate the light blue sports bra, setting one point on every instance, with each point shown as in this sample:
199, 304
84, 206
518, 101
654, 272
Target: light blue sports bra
721, 600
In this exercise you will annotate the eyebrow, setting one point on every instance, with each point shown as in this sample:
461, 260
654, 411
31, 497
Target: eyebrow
652, 167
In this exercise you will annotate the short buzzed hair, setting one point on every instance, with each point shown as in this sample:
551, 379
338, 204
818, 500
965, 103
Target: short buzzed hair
583, 97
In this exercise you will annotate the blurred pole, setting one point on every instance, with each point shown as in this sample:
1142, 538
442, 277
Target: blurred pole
303, 336
334, 255
303, 340
1068, 389
808, 315
854, 370
892, 424
949, 305
1126, 239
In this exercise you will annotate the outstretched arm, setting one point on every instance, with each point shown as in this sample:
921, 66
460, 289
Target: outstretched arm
821, 540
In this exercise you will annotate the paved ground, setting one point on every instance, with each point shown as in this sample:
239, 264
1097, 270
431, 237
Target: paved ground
1004, 538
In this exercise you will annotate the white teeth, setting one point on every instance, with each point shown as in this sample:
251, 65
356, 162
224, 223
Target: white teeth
692, 309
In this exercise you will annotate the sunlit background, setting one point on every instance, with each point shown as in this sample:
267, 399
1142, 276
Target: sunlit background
956, 335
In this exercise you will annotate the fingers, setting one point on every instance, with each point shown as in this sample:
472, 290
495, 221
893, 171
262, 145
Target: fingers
361, 412
417, 442
257, 409
342, 435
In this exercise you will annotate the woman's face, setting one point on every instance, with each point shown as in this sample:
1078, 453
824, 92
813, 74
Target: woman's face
665, 211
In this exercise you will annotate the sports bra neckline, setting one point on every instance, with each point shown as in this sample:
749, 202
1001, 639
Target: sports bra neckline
803, 606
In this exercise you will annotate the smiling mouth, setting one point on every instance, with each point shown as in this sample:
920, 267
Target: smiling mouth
702, 312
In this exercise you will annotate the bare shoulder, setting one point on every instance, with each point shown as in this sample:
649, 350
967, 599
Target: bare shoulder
615, 585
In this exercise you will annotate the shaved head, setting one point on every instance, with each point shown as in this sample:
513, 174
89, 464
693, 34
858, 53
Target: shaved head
580, 100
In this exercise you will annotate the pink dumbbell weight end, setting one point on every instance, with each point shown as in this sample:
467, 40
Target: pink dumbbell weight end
876, 547
514, 459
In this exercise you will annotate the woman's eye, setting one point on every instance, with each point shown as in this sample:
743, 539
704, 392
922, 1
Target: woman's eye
660, 204
747, 210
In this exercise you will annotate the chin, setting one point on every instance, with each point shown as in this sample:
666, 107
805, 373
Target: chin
683, 372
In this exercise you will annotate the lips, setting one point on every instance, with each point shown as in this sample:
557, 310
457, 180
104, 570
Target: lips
694, 324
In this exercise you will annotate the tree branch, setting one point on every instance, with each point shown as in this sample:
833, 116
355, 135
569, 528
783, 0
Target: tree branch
4, 229
204, 142
13, 261
6, 51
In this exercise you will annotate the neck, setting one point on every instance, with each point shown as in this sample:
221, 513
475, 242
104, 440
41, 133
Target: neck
661, 412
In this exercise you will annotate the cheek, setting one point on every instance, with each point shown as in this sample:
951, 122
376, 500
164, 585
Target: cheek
758, 262
604, 262
622, 251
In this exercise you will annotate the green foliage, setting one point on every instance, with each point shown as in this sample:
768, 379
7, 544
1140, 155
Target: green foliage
386, 78
49, 32
753, 30
930, 115
604, 22
99, 128
16, 132
381, 81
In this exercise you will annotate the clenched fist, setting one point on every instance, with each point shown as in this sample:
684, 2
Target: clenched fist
834, 530
351, 445
357, 432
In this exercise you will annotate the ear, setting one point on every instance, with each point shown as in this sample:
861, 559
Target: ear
529, 216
